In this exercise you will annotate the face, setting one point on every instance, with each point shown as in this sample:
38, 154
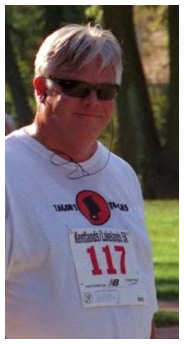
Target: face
79, 119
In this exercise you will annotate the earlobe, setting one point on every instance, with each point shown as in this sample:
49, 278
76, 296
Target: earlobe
40, 85
43, 98
40, 88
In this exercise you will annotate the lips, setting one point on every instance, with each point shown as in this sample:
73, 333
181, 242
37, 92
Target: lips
86, 115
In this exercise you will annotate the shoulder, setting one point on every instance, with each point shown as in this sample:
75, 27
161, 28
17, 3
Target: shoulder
120, 165
116, 162
126, 171
123, 164
14, 145
14, 137
124, 175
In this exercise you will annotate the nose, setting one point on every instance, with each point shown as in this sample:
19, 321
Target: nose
91, 99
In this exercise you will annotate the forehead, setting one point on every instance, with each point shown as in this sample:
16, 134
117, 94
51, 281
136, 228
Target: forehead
90, 72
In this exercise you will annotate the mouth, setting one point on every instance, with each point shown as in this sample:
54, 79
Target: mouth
86, 115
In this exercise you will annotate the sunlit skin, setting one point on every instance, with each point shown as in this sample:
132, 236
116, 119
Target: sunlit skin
72, 125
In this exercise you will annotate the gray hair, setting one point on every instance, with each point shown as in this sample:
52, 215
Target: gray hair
73, 46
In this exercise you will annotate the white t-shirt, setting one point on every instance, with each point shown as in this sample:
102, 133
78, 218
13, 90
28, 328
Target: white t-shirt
78, 258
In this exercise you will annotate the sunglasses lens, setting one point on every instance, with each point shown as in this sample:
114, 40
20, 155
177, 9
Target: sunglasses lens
106, 91
76, 89
81, 90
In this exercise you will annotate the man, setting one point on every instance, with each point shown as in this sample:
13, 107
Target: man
78, 259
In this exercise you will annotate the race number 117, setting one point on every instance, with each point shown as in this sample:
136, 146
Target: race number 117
109, 260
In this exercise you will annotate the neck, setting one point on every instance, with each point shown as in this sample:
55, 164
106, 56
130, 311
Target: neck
77, 150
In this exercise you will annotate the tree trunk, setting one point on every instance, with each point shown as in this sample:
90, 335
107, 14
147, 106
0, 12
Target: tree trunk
138, 136
15, 83
53, 18
172, 155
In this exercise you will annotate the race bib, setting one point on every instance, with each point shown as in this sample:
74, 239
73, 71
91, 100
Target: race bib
106, 268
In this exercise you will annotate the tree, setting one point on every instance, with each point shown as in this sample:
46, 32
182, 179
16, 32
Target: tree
138, 138
14, 80
53, 18
172, 147
26, 26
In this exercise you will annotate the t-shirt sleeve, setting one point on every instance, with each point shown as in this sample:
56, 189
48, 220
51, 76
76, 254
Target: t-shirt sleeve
8, 236
138, 202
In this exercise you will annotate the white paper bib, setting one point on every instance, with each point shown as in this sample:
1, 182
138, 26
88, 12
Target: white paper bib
106, 267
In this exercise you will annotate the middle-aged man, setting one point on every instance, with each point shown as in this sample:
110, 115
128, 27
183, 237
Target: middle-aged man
78, 258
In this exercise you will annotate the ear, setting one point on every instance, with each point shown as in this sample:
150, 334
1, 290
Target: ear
40, 85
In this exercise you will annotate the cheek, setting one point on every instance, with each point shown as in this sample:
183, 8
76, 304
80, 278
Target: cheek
108, 108
65, 104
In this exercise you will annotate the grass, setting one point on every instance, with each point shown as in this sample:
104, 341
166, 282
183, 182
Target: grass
166, 319
162, 218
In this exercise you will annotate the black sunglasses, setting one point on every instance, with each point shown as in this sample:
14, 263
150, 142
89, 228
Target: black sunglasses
81, 89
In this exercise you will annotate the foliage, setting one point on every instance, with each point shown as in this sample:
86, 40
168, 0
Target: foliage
151, 18
159, 95
27, 31
94, 13
27, 25
9, 108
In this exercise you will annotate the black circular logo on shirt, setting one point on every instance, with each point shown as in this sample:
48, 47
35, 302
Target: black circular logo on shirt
93, 206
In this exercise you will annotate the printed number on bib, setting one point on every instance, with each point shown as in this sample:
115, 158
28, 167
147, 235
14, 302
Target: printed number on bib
106, 268
111, 269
